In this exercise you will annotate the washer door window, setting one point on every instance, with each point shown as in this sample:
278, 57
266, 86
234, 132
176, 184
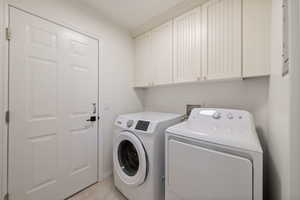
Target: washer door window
130, 159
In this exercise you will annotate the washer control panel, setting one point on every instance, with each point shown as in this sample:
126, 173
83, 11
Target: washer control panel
129, 123
146, 122
142, 125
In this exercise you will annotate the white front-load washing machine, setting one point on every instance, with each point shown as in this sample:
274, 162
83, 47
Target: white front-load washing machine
138, 154
215, 155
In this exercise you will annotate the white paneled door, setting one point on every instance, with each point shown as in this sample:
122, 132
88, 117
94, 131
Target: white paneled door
53, 93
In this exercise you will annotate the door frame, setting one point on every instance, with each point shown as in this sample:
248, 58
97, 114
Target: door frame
5, 5
4, 100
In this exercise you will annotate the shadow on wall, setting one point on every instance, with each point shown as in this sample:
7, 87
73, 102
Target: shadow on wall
273, 185
267, 165
141, 94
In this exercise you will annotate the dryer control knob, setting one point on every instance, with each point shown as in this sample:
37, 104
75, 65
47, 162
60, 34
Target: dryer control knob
230, 116
216, 115
130, 123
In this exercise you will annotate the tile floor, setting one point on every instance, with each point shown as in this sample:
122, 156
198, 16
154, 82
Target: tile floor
100, 191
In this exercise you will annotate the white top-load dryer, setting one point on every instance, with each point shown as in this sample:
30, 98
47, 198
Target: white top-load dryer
214, 155
138, 154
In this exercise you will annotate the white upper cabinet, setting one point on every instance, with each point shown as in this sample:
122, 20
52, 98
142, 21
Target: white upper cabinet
144, 70
224, 39
187, 47
256, 33
162, 48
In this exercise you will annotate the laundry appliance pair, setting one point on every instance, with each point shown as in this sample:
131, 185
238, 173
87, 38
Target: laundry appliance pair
215, 154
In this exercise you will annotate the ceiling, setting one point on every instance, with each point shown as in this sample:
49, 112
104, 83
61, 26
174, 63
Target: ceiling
134, 14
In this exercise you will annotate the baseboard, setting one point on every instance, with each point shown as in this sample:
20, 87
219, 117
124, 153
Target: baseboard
106, 175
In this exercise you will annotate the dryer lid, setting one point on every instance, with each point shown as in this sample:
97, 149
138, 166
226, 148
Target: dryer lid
233, 128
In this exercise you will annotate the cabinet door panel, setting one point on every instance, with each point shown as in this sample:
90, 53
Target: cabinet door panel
224, 39
187, 46
143, 62
162, 49
256, 37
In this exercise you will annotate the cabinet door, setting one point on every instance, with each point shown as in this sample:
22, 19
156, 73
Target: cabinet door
187, 47
256, 37
224, 38
162, 46
143, 62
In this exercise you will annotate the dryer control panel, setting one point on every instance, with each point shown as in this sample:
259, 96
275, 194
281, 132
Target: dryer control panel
227, 123
221, 115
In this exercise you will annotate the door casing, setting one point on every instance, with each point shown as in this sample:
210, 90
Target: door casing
4, 85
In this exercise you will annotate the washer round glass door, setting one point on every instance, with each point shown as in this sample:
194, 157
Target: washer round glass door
130, 159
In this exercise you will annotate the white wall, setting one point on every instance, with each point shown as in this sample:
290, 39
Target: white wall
250, 94
295, 99
279, 114
116, 64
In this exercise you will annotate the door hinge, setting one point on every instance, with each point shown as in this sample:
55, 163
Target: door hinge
6, 196
8, 34
7, 117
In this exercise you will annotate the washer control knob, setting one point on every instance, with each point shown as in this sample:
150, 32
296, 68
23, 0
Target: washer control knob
130, 123
216, 115
230, 116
